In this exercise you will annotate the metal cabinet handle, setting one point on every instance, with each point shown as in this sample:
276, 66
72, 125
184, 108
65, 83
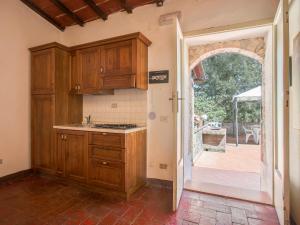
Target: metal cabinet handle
65, 137
62, 136
78, 87
104, 133
104, 163
101, 69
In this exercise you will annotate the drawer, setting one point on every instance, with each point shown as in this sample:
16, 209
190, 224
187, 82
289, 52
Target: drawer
106, 174
106, 153
119, 82
107, 139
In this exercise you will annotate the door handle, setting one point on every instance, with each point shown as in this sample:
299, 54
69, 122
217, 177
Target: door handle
101, 69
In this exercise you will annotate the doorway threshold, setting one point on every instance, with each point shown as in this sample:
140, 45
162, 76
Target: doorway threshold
229, 192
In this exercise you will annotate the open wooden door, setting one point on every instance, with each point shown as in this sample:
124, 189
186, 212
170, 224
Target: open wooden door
281, 136
178, 178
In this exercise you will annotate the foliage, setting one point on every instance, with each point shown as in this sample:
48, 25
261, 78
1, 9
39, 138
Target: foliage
228, 74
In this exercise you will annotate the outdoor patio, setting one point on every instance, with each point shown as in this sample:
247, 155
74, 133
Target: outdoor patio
242, 158
236, 167
234, 173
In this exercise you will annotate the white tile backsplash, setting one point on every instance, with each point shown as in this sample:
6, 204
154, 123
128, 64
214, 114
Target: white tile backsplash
131, 107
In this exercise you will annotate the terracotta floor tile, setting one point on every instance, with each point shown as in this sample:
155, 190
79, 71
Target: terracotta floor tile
38, 200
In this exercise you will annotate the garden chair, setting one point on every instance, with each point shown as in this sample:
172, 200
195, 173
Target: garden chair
248, 133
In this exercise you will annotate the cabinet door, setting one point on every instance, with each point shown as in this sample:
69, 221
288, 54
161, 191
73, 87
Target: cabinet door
76, 155
42, 71
60, 153
107, 174
42, 117
118, 61
88, 69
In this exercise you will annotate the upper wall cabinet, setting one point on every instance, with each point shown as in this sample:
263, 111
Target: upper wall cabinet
42, 72
116, 63
88, 69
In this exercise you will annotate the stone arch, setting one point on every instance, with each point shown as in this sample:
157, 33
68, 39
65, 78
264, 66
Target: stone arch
252, 47
227, 50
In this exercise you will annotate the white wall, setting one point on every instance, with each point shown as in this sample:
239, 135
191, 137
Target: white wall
25, 29
20, 29
294, 117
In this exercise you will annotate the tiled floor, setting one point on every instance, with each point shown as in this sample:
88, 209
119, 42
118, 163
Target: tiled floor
35, 200
245, 180
241, 158
238, 167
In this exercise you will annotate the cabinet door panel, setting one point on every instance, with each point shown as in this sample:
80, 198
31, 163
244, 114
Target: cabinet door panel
42, 72
42, 131
116, 58
76, 156
106, 174
88, 62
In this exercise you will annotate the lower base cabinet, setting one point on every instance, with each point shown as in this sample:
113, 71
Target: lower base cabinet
71, 154
90, 159
106, 174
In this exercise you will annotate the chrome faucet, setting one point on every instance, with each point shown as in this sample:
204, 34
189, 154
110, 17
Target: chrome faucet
88, 119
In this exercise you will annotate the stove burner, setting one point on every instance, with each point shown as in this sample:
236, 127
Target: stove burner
116, 126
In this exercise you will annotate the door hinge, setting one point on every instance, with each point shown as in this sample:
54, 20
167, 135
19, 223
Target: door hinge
287, 17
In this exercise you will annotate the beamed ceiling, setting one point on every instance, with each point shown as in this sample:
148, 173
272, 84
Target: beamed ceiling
63, 13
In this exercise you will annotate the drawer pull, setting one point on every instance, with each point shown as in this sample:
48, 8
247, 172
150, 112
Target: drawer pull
104, 133
104, 163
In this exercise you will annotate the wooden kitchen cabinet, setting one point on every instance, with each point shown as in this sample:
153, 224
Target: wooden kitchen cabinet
89, 70
42, 108
97, 162
51, 102
116, 63
76, 156
71, 154
42, 73
107, 174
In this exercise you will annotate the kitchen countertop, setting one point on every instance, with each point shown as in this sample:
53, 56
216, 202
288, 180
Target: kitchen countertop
89, 128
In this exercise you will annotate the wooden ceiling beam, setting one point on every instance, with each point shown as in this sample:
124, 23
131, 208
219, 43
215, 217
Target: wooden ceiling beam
96, 9
67, 11
39, 11
125, 6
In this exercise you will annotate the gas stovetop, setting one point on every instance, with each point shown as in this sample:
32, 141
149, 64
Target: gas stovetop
116, 126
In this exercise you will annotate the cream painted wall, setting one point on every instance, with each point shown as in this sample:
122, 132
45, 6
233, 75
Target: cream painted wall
196, 14
294, 127
20, 29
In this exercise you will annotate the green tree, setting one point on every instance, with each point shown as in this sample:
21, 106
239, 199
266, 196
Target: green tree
228, 74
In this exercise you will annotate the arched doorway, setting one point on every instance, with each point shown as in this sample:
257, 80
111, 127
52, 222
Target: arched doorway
202, 62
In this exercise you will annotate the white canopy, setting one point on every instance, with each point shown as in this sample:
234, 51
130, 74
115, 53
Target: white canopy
251, 95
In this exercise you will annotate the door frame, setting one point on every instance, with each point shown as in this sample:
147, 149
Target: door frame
242, 26
283, 8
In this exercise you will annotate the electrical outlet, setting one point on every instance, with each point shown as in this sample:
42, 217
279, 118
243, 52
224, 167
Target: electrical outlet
1, 161
114, 105
163, 166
